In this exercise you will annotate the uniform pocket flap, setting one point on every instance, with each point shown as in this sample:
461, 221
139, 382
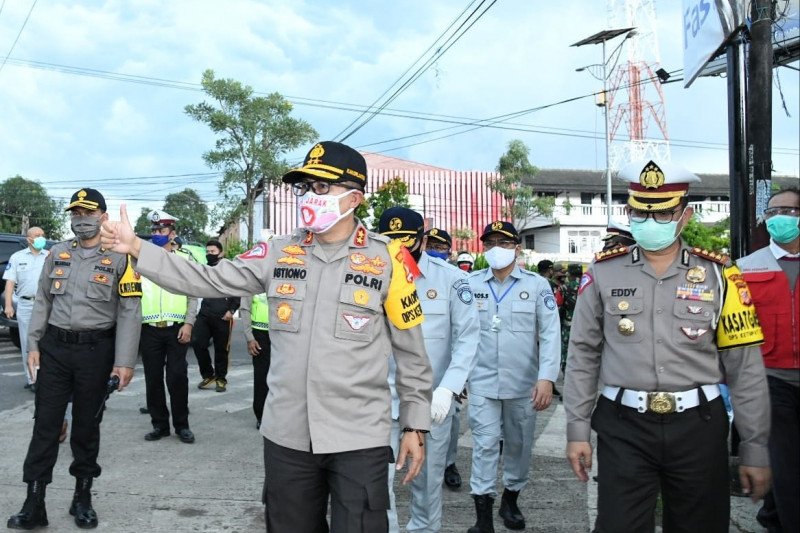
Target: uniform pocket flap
758, 277
523, 307
620, 305
435, 307
360, 297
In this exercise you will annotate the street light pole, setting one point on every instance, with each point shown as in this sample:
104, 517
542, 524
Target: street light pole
608, 139
602, 37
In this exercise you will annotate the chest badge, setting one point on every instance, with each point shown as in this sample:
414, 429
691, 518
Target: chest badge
59, 272
626, 327
431, 294
100, 278
285, 312
694, 309
524, 295
64, 255
355, 322
293, 249
693, 333
106, 261
285, 289
57, 284
361, 297
291, 260
623, 305
696, 274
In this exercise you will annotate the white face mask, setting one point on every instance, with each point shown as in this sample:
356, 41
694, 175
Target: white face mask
320, 212
499, 258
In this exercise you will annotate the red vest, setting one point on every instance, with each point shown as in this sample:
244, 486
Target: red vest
778, 308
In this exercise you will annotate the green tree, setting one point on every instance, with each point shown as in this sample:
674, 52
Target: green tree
191, 212
393, 193
462, 236
26, 203
516, 172
253, 134
715, 237
142, 226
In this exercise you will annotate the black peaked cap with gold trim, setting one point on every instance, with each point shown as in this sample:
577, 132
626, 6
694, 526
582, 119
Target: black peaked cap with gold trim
88, 199
439, 235
502, 227
333, 162
656, 186
398, 222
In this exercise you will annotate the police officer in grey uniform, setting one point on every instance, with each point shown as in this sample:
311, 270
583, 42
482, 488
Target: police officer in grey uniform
513, 375
651, 323
451, 335
84, 329
341, 300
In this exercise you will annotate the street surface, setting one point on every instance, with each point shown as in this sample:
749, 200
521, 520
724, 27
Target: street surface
215, 484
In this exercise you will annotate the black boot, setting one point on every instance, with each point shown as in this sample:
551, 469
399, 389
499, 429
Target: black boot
81, 508
483, 510
33, 513
509, 512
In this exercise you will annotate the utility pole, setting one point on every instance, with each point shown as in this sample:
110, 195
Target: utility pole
737, 148
25, 225
759, 124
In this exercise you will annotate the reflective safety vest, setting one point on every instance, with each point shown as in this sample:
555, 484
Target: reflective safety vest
259, 312
159, 305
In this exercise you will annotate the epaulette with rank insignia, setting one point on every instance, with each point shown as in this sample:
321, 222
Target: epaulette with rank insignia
722, 259
613, 252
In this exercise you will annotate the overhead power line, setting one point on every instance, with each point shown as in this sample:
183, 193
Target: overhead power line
440, 51
24, 23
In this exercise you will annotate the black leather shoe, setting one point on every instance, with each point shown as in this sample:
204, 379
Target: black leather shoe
451, 477
157, 434
509, 511
33, 513
186, 435
81, 508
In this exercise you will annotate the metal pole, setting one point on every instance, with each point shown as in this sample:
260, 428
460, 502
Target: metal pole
737, 158
608, 140
759, 124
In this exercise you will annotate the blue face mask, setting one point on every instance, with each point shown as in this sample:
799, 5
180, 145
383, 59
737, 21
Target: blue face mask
441, 255
159, 240
652, 236
39, 243
783, 228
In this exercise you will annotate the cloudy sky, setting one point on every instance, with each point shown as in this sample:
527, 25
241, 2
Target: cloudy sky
134, 142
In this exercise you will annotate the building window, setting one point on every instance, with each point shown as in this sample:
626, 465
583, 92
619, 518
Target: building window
586, 198
529, 242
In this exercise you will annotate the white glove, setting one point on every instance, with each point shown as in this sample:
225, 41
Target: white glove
440, 404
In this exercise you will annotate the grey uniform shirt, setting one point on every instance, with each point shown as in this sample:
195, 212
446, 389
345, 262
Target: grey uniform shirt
672, 348
331, 339
24, 268
79, 293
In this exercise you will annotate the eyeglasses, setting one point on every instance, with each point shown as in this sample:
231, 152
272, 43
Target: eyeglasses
781, 210
502, 243
662, 217
317, 186
438, 247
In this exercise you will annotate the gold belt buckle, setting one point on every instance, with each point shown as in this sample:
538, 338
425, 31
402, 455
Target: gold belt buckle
661, 403
161, 324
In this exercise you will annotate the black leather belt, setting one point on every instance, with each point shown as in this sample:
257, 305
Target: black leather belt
80, 337
28, 297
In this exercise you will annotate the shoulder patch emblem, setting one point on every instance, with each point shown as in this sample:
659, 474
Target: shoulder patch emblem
464, 293
586, 280
613, 252
259, 251
722, 259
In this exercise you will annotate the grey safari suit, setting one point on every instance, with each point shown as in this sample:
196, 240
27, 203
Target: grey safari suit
331, 339
672, 348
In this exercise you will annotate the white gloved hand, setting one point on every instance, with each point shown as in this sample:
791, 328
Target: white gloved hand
440, 404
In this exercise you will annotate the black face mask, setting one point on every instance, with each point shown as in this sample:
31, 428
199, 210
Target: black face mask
212, 259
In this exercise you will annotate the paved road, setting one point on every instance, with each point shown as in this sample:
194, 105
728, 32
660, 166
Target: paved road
215, 484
